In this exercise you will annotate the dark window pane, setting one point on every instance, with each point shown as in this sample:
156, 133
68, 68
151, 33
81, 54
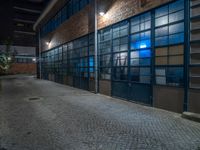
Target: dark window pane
176, 38
161, 11
175, 76
120, 73
163, 31
176, 28
176, 6
176, 16
135, 74
161, 41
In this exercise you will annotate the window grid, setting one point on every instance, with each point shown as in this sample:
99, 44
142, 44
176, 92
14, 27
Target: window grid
113, 52
70, 8
105, 54
169, 44
91, 57
194, 66
140, 49
120, 34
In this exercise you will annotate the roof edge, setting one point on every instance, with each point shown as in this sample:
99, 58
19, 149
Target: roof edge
44, 13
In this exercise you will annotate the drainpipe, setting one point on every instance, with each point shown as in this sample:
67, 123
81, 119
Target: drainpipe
187, 54
40, 65
96, 49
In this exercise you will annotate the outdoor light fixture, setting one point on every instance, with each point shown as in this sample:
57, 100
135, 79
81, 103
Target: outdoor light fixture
9, 58
101, 13
34, 59
47, 43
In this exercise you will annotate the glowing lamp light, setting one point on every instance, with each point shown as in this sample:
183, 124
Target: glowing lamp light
34, 59
47, 43
143, 46
9, 58
102, 13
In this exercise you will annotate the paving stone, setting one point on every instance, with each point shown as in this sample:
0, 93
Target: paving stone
71, 119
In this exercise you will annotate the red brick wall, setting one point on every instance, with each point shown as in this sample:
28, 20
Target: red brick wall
75, 27
82, 23
22, 68
123, 9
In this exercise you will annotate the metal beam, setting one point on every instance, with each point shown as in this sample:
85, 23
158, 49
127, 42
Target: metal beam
24, 32
27, 10
45, 12
25, 21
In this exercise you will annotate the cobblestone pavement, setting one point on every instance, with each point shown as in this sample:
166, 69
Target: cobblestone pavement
64, 118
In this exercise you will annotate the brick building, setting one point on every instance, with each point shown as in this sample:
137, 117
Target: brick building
148, 51
18, 17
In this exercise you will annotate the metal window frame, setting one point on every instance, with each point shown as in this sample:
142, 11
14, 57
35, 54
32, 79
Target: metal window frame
186, 64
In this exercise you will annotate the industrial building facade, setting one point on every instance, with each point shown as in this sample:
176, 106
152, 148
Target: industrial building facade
16, 28
148, 51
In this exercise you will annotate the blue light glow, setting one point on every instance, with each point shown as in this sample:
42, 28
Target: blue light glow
91, 69
91, 64
145, 53
141, 44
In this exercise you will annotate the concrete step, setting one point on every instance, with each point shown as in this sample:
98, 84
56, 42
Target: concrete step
191, 116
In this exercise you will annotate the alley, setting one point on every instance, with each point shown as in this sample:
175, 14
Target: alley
43, 115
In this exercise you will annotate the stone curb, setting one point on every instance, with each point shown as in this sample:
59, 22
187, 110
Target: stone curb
191, 116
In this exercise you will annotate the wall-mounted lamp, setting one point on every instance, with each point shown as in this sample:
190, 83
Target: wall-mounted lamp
9, 58
101, 13
34, 59
47, 43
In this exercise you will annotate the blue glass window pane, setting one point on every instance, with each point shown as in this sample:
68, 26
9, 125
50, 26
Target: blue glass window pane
91, 69
135, 71
175, 76
135, 74
120, 73
116, 42
146, 16
135, 37
135, 21
141, 45
177, 28
75, 6
163, 31
176, 6
176, 16
69, 8
161, 41
59, 17
124, 32
145, 35
176, 38
145, 53
144, 62
147, 25
124, 47
135, 54
161, 21
135, 62
175, 71
135, 45
142, 26
83, 3
145, 71
145, 44
120, 59
161, 11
